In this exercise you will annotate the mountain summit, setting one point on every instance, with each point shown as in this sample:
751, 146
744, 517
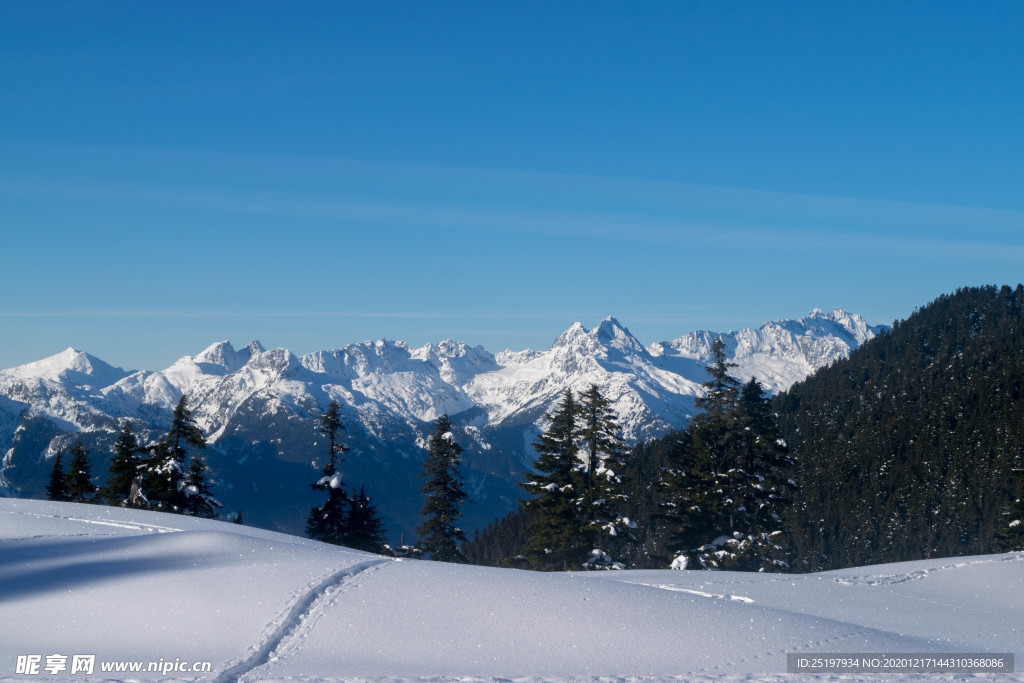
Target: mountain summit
71, 367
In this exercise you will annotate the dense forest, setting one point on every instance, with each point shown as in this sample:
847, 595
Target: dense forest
911, 448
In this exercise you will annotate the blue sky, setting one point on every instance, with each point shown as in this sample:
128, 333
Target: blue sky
311, 174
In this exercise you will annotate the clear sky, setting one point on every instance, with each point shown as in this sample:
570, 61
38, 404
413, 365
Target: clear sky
312, 174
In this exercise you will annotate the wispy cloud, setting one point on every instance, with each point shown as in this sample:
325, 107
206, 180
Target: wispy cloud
392, 197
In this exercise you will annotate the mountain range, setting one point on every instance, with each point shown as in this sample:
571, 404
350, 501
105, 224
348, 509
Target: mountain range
258, 408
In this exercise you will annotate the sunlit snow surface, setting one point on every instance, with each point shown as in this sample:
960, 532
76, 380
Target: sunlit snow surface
129, 585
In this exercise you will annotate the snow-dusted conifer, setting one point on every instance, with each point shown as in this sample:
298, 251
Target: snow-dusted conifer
700, 491
555, 540
439, 533
731, 496
762, 483
329, 522
163, 477
165, 469
603, 500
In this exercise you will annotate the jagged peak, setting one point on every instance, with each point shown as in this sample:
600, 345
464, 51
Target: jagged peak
448, 348
278, 359
610, 332
222, 356
216, 352
611, 329
575, 332
385, 343
837, 314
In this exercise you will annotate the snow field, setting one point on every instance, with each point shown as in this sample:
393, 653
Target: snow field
133, 585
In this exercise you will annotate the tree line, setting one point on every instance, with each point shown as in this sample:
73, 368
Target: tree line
162, 475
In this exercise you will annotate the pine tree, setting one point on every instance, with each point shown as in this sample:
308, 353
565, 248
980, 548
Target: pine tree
199, 501
57, 489
603, 500
708, 502
162, 479
715, 427
166, 464
329, 522
555, 539
124, 467
365, 528
761, 487
80, 488
184, 431
439, 534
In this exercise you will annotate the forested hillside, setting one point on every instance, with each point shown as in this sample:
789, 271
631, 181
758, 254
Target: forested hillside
911, 448
908, 448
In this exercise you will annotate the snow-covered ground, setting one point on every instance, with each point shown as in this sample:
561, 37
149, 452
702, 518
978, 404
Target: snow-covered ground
130, 586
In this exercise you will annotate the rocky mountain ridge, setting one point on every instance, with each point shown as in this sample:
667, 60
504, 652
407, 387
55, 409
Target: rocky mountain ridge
258, 407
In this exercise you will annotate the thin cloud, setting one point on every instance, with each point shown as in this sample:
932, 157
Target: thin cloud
521, 203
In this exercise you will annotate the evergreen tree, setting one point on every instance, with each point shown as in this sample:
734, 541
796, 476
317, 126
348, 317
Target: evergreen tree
365, 527
184, 431
715, 428
199, 501
80, 488
555, 539
166, 466
329, 522
700, 490
603, 500
760, 485
162, 479
57, 489
124, 467
439, 534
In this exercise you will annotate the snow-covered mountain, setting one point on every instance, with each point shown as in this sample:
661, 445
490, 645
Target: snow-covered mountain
258, 407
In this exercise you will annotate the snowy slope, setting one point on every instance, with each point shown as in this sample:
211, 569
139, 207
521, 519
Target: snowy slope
140, 586
259, 407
